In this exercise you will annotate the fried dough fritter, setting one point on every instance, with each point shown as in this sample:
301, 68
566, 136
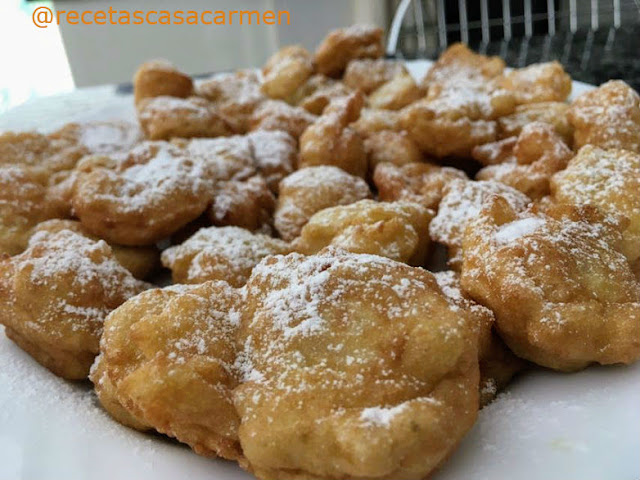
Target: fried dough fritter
25, 201
398, 230
278, 115
143, 197
395, 94
528, 166
367, 75
167, 356
158, 78
330, 140
220, 253
498, 364
55, 295
553, 113
608, 180
317, 92
275, 155
607, 117
355, 366
343, 45
163, 118
102, 138
235, 95
463, 102
285, 71
139, 261
563, 296
540, 82
392, 147
247, 204
462, 201
309, 190
372, 121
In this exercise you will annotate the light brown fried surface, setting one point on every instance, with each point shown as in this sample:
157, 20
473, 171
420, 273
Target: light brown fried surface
553, 113
395, 94
498, 364
162, 118
278, 115
247, 204
536, 155
100, 137
39, 153
414, 182
563, 296
235, 95
607, 117
169, 355
462, 201
285, 71
392, 147
463, 101
55, 295
317, 92
366, 74
372, 121
220, 253
608, 180
158, 78
330, 140
343, 45
355, 367
139, 261
142, 197
540, 82
25, 201
310, 190
398, 230
275, 155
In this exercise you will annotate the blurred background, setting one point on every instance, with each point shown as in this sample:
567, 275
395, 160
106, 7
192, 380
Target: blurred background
594, 39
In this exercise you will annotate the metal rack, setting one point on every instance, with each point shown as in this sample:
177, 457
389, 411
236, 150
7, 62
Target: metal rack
594, 39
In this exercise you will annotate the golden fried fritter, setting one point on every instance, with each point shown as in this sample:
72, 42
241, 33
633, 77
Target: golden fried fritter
372, 121
392, 147
330, 141
220, 253
608, 180
39, 153
398, 230
498, 364
317, 92
355, 366
25, 201
310, 190
607, 117
535, 156
139, 261
540, 82
168, 355
278, 115
343, 45
247, 204
235, 95
100, 137
285, 71
55, 295
414, 182
162, 118
367, 75
158, 78
275, 155
397, 93
553, 113
143, 197
461, 202
463, 101
563, 296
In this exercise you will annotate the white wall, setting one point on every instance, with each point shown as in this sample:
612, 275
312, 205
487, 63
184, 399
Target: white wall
111, 53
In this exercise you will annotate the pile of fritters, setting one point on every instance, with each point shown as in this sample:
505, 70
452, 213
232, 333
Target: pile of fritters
299, 211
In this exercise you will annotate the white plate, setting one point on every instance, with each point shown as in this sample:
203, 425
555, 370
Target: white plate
547, 425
